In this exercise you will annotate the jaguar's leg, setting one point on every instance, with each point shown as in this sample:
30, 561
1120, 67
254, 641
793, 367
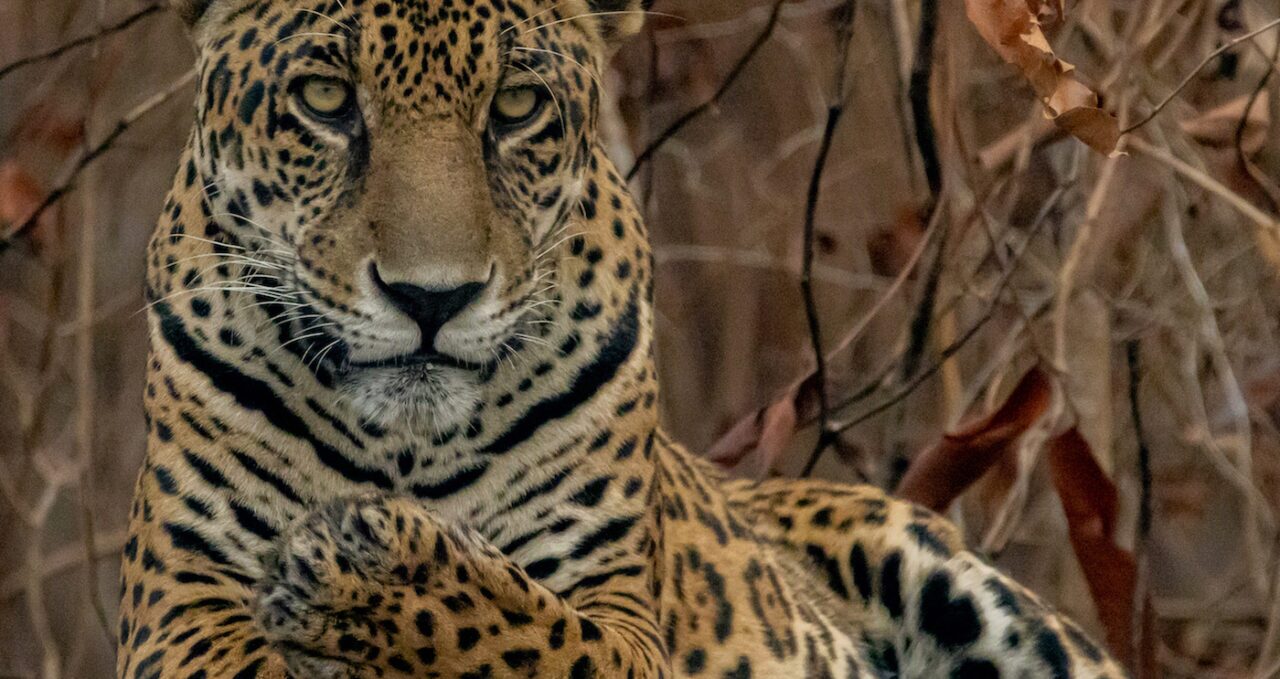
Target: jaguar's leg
939, 609
376, 586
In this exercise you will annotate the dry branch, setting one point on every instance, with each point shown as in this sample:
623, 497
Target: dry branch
731, 77
1186, 80
835, 111
68, 180
83, 40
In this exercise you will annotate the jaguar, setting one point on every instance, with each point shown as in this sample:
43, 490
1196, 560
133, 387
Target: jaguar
402, 405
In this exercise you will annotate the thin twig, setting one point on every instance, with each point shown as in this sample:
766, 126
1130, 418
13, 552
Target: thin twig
806, 289
918, 97
61, 560
679, 253
923, 376
674, 128
83, 40
834, 112
67, 183
1268, 231
1206, 330
1267, 665
85, 382
918, 94
1140, 553
1251, 170
1076, 255
1191, 76
951, 349
904, 45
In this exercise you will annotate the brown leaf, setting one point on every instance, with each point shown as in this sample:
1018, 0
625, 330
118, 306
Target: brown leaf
755, 443
20, 195
1012, 28
45, 124
943, 472
890, 248
1090, 502
1091, 125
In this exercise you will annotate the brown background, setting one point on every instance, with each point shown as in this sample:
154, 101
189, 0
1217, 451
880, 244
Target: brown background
725, 200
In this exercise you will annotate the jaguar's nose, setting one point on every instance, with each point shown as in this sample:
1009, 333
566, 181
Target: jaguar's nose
431, 307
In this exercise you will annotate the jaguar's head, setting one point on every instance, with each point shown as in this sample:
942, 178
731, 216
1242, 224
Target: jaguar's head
403, 173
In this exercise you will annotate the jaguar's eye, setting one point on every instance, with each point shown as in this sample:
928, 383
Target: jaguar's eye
513, 105
326, 97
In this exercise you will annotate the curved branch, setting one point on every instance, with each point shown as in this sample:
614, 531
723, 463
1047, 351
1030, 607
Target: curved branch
83, 40
674, 128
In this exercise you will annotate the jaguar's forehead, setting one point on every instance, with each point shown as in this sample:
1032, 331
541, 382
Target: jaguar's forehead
413, 52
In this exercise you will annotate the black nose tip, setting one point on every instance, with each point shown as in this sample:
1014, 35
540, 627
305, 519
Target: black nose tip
430, 308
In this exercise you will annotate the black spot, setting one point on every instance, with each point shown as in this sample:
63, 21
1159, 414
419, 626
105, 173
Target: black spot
521, 659
1005, 598
928, 539
468, 637
975, 669
954, 623
583, 668
556, 638
542, 568
589, 630
1050, 650
425, 623
250, 101
861, 571
891, 584
591, 494
695, 661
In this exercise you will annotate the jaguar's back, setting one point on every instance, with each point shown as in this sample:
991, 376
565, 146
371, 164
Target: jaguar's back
402, 402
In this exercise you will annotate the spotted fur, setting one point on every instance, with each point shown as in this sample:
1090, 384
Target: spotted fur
402, 405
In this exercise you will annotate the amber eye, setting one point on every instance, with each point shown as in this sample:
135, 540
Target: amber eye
326, 97
514, 105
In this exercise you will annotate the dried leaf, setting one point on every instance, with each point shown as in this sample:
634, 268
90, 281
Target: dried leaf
20, 195
942, 473
46, 124
754, 450
752, 446
1090, 502
1013, 29
891, 248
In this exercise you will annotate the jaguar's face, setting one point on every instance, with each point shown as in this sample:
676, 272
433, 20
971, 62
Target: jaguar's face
405, 172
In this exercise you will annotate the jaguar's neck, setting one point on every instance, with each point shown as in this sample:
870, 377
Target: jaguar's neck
223, 368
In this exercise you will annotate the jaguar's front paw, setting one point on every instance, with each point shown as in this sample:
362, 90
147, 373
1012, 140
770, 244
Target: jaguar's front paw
331, 591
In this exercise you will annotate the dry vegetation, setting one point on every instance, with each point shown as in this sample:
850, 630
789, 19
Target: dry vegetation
976, 271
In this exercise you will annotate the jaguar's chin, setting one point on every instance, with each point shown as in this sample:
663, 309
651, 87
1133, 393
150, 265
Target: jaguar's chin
425, 399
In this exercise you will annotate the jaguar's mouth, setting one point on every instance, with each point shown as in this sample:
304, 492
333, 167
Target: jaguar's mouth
428, 392
416, 359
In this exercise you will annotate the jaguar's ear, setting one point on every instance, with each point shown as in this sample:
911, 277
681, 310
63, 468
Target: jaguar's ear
619, 19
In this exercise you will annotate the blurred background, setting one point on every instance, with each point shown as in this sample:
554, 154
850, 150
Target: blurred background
950, 255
